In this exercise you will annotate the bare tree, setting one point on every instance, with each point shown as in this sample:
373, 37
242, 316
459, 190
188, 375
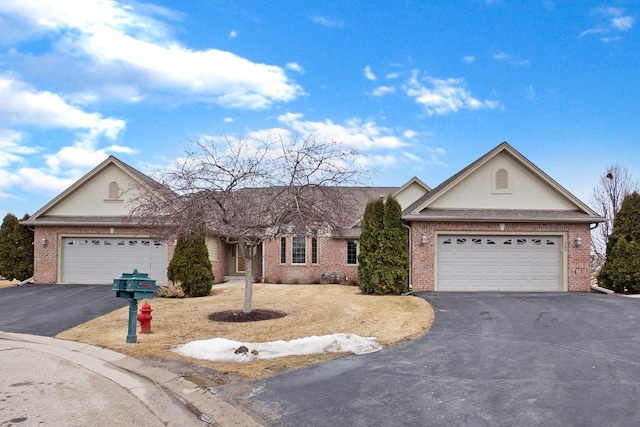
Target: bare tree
606, 199
249, 190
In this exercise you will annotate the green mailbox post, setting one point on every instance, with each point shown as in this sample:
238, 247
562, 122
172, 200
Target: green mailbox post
135, 286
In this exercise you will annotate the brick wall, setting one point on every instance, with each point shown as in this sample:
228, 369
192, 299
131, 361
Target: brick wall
332, 257
578, 259
46, 258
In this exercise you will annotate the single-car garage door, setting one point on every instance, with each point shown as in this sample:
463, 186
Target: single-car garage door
499, 263
99, 260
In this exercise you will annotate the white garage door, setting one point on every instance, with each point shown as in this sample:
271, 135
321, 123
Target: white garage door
499, 263
100, 260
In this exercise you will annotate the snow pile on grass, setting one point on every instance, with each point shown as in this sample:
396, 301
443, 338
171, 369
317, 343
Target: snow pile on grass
224, 350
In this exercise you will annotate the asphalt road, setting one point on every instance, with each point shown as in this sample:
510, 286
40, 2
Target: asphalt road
50, 309
489, 360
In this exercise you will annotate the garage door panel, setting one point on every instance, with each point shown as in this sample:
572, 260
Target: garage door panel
499, 263
100, 260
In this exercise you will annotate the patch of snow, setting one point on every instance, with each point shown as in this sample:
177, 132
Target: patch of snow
224, 350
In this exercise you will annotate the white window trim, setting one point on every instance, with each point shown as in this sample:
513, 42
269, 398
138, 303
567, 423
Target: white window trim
317, 262
305, 250
357, 251
280, 254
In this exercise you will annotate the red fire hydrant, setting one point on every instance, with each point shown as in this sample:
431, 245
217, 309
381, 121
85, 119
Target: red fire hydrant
145, 319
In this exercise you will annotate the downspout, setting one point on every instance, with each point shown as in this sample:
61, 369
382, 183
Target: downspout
410, 287
264, 267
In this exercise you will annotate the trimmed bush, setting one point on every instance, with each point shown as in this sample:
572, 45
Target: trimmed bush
191, 268
16, 249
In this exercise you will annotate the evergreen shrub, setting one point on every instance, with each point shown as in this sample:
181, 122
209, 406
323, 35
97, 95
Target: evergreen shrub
191, 268
621, 270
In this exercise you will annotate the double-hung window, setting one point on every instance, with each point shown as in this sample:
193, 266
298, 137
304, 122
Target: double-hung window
283, 250
298, 250
352, 252
314, 250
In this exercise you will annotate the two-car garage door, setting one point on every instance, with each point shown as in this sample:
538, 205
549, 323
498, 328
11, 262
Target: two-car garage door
499, 263
99, 260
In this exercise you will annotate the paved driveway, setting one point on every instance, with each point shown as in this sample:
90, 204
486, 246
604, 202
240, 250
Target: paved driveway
50, 309
489, 360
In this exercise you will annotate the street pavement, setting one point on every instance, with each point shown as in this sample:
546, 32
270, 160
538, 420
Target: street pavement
50, 382
50, 309
490, 359
39, 388
566, 359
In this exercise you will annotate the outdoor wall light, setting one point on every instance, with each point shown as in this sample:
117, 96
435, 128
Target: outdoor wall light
423, 239
43, 241
578, 242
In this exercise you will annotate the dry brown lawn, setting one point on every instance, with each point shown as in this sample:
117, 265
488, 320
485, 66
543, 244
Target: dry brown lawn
8, 283
310, 310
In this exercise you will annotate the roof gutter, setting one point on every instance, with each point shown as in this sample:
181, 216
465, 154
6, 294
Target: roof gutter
503, 219
82, 223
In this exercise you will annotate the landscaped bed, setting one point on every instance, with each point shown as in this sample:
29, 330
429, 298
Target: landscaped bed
310, 310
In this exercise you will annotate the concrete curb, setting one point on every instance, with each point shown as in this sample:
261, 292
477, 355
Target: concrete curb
173, 399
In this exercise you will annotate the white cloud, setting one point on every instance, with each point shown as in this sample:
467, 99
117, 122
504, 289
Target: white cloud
294, 66
80, 157
23, 105
376, 160
368, 73
110, 34
383, 90
362, 135
610, 39
329, 23
469, 59
623, 23
393, 76
11, 151
411, 157
594, 31
228, 119
435, 154
502, 56
611, 20
410, 134
39, 180
443, 96
233, 34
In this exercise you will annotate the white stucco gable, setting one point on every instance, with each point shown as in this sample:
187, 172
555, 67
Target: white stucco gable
503, 182
411, 191
105, 191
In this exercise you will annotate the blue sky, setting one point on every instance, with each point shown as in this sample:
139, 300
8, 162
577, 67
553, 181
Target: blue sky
421, 88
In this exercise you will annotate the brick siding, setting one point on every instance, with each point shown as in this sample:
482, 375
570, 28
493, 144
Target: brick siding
578, 262
46, 258
332, 253
332, 257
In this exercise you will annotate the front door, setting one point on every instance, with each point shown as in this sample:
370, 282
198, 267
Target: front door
239, 259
